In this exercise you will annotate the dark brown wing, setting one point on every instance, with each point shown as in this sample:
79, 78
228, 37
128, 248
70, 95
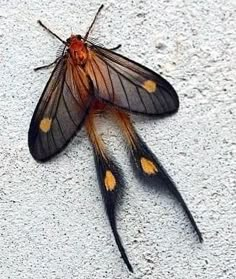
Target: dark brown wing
61, 110
129, 85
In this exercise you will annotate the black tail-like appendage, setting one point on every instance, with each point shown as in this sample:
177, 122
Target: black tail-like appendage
149, 169
111, 183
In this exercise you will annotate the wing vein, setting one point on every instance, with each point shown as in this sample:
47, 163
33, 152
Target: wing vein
154, 104
68, 111
85, 87
163, 105
97, 85
48, 99
49, 149
113, 92
125, 77
59, 125
40, 140
141, 99
104, 80
70, 91
53, 139
123, 87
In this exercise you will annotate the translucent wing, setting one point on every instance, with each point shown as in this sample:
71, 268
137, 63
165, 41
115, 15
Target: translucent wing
129, 85
61, 110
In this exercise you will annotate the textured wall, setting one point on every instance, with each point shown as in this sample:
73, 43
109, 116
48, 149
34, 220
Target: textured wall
52, 221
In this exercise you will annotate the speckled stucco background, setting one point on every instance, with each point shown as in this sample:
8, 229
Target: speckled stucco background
52, 221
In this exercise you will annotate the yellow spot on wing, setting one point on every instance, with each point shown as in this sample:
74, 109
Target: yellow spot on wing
148, 166
150, 86
109, 181
45, 124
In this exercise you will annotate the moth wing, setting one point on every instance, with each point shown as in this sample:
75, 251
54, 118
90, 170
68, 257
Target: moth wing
129, 85
60, 111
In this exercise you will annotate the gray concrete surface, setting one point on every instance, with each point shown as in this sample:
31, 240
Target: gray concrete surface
52, 221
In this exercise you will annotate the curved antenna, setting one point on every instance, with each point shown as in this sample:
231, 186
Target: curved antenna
90, 27
55, 35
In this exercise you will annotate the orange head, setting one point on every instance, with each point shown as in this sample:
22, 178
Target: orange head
77, 49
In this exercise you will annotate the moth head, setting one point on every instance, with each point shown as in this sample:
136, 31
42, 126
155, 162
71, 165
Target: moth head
73, 39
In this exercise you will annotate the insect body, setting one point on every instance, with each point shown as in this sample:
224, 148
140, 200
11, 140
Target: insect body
86, 80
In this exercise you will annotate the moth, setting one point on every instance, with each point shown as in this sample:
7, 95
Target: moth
89, 79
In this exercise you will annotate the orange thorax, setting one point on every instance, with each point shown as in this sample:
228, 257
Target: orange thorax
78, 50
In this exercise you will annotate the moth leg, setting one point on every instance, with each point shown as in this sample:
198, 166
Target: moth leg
110, 180
46, 66
147, 166
115, 48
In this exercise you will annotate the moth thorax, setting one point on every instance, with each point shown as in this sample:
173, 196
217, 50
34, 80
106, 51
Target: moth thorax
78, 51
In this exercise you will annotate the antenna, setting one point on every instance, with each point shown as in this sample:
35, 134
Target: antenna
55, 35
90, 27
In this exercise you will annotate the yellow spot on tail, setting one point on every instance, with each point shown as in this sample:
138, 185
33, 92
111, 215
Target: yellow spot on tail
150, 86
109, 181
45, 124
148, 166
